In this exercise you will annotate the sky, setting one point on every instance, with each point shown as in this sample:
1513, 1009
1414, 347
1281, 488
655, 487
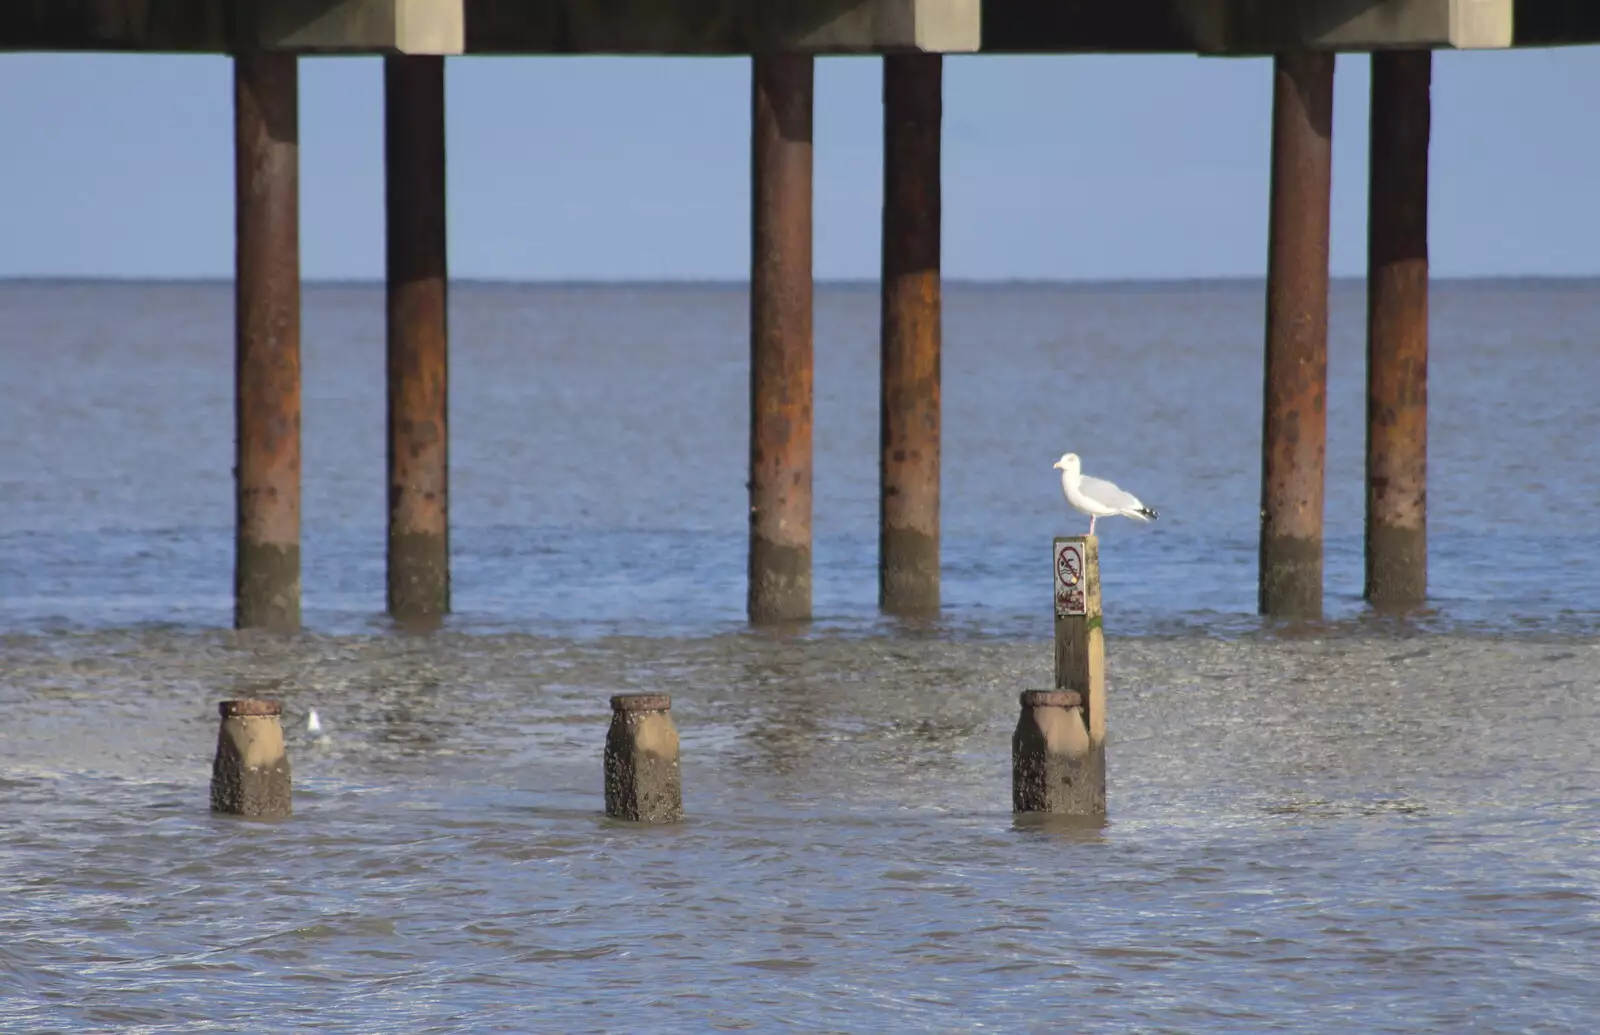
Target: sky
568, 168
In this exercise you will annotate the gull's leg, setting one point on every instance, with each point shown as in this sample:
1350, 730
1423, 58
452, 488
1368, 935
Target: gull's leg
1091, 524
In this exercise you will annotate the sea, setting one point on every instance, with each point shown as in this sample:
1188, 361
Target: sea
1372, 823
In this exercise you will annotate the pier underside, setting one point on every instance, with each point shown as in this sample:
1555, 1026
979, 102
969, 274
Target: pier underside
710, 27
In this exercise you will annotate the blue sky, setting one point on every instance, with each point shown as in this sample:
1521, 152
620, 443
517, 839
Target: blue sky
566, 168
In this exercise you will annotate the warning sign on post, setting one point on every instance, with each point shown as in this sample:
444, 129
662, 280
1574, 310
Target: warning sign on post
1070, 596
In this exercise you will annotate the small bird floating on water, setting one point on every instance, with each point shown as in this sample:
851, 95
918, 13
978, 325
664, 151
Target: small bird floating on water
313, 724
1096, 497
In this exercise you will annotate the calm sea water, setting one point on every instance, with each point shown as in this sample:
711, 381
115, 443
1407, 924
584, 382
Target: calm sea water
1367, 825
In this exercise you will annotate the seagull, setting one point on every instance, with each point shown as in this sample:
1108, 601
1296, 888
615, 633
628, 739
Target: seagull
1095, 497
313, 724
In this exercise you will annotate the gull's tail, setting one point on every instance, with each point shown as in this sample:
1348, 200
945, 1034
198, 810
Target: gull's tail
1143, 514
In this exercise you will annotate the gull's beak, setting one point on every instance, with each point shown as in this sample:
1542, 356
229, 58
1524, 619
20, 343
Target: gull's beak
1056, 465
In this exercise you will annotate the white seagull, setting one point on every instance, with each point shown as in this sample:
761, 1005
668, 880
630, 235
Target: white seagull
314, 724
1095, 497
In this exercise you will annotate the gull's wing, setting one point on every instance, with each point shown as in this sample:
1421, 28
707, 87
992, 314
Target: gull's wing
1108, 495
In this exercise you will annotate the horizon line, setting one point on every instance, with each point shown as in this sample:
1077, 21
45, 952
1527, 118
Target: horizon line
735, 282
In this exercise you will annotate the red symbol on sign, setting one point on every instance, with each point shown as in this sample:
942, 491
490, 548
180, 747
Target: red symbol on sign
1069, 569
1070, 589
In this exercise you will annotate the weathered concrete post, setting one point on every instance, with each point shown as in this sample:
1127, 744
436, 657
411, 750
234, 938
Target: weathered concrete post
1058, 755
909, 405
1397, 330
1294, 428
780, 338
267, 341
1052, 764
250, 774
643, 781
419, 467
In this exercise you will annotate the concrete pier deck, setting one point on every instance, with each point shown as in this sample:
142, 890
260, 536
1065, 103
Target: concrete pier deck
708, 27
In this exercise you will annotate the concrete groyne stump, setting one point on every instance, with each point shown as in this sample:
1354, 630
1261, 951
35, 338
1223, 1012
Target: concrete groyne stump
1053, 762
643, 780
250, 774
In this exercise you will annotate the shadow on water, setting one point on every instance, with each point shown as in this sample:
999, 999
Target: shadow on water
1072, 830
417, 625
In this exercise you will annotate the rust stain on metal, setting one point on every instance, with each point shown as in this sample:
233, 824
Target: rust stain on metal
418, 337
1294, 427
267, 295
910, 334
267, 339
1397, 328
781, 336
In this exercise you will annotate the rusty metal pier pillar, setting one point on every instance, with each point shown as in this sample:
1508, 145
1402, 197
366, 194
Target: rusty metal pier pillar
266, 341
780, 338
909, 404
1294, 426
418, 462
1397, 330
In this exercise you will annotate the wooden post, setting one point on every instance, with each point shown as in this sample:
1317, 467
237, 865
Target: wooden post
1058, 751
418, 283
1397, 331
266, 341
780, 338
909, 403
1295, 423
